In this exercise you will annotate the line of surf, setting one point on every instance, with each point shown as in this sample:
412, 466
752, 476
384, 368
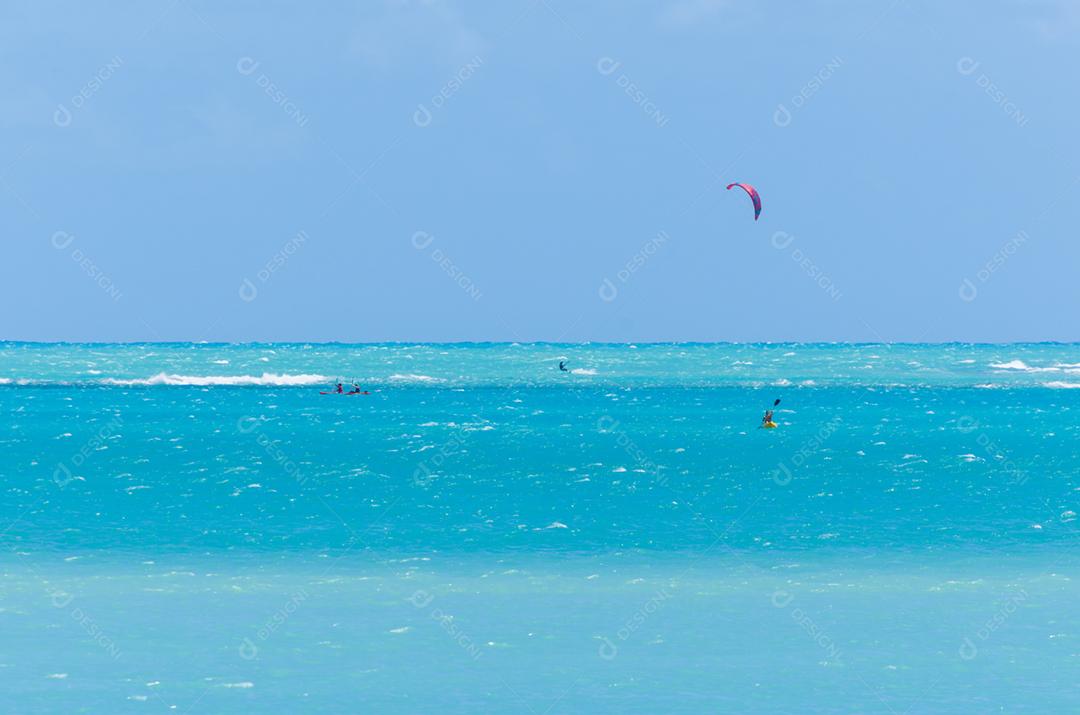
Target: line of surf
266, 379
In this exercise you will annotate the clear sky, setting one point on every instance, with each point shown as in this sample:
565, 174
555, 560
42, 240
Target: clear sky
539, 170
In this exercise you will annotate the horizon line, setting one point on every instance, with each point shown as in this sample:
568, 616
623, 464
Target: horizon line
208, 343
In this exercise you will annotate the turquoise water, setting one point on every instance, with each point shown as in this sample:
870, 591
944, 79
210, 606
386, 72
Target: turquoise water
196, 528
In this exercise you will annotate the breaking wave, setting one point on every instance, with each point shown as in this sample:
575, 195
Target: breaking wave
267, 378
1059, 385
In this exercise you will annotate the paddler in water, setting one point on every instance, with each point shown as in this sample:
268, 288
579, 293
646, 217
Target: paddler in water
339, 389
767, 419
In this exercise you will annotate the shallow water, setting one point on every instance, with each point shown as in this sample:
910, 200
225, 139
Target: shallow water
195, 526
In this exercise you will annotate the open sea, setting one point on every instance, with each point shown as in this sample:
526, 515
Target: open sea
193, 528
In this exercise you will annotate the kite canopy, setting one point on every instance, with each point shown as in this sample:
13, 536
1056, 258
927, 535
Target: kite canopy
753, 197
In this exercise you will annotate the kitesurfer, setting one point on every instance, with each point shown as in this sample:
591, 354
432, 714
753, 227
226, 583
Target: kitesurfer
562, 366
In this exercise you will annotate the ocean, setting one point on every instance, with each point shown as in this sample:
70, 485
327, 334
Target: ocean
194, 528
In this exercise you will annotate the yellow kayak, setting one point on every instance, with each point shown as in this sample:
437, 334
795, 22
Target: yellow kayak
769, 425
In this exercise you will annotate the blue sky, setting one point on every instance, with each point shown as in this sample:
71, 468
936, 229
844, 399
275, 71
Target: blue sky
539, 170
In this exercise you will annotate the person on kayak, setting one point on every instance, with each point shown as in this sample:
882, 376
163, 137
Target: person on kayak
767, 418
355, 389
339, 389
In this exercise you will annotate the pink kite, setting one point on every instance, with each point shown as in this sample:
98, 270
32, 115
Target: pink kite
753, 197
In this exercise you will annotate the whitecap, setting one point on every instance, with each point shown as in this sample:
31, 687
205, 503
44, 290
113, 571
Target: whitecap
1021, 366
414, 378
267, 378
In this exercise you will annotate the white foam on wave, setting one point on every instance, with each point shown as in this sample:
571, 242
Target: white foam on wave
414, 378
267, 378
1021, 366
1061, 385
5, 380
583, 371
